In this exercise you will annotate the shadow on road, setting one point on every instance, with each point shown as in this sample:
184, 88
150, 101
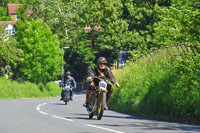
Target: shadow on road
125, 117
142, 123
59, 103
158, 126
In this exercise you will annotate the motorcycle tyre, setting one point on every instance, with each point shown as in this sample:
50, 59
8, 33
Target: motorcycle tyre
100, 105
66, 99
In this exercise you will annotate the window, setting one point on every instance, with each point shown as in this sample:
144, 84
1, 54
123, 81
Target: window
13, 31
10, 31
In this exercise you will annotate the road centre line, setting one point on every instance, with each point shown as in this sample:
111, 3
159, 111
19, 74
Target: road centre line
38, 109
111, 130
94, 126
61, 118
43, 113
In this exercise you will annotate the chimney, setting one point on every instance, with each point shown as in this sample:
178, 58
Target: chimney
95, 27
99, 27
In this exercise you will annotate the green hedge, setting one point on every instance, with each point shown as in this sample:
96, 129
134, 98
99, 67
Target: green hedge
12, 89
163, 87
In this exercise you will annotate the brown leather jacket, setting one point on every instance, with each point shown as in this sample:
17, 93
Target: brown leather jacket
107, 72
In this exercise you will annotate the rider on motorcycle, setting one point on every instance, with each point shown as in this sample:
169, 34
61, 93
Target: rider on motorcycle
102, 71
68, 80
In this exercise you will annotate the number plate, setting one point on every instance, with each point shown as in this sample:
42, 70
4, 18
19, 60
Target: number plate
103, 85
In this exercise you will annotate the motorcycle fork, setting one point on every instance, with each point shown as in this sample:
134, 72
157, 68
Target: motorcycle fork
94, 109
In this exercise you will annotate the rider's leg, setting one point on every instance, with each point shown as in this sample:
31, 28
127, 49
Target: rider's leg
62, 94
71, 95
108, 95
88, 93
86, 98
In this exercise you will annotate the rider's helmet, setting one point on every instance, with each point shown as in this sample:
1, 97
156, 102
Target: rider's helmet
68, 73
101, 60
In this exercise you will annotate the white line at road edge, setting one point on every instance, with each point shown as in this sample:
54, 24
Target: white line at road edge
104, 128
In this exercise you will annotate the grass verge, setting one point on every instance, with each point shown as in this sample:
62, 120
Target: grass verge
162, 87
12, 89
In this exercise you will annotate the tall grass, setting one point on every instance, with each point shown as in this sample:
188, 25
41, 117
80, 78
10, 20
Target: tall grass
12, 89
160, 87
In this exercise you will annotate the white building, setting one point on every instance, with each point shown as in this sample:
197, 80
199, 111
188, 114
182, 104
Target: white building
9, 26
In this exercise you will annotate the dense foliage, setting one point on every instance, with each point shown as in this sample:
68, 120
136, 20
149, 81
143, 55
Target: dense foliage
134, 25
160, 87
10, 54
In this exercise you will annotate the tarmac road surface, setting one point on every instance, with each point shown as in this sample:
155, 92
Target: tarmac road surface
52, 116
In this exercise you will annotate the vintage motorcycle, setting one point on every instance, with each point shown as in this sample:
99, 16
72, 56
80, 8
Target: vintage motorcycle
97, 100
66, 90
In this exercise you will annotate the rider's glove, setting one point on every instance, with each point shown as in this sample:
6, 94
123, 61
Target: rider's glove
90, 79
116, 84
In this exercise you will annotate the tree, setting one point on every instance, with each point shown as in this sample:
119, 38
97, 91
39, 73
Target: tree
180, 23
4, 14
9, 53
42, 56
65, 19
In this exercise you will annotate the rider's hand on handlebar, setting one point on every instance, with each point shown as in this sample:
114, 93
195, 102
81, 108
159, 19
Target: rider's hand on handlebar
117, 85
90, 79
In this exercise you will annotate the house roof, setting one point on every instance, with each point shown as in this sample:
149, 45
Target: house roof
12, 8
4, 23
9, 22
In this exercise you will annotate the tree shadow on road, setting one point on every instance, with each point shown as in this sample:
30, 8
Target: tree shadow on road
142, 123
59, 103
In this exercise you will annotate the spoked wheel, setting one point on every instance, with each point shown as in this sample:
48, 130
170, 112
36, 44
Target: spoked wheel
100, 105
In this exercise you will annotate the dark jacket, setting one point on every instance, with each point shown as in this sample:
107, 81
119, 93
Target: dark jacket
107, 72
70, 81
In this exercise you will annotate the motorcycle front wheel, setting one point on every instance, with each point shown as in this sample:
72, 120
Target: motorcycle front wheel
100, 104
66, 99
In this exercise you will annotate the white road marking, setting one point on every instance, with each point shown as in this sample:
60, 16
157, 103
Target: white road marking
107, 129
43, 104
43, 113
111, 130
61, 118
37, 108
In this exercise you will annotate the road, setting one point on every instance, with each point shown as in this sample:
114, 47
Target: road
52, 116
